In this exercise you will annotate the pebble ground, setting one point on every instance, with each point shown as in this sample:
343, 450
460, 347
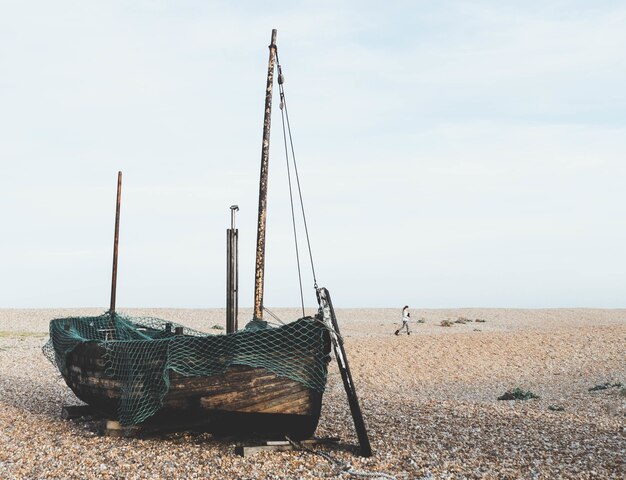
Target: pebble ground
429, 400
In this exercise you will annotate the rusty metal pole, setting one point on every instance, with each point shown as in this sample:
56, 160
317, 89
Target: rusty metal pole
116, 241
265, 151
232, 273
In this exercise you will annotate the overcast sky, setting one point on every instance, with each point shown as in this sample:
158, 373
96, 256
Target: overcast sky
452, 154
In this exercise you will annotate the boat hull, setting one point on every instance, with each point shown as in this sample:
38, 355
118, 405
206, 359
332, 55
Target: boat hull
241, 401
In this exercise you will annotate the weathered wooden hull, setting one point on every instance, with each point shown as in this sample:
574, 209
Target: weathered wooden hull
241, 401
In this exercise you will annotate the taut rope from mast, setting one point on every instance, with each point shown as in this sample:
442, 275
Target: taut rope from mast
285, 121
293, 216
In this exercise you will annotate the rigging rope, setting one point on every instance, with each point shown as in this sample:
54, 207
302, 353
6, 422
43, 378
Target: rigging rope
285, 121
274, 316
293, 216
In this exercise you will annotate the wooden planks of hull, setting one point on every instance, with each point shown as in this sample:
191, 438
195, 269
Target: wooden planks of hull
243, 400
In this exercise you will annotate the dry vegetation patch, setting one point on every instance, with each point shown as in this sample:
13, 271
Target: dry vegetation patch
517, 394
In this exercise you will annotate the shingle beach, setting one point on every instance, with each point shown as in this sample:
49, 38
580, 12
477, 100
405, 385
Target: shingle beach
429, 401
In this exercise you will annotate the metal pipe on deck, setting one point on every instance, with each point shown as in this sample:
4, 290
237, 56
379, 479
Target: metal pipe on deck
232, 273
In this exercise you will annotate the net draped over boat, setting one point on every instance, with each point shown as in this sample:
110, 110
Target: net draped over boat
140, 353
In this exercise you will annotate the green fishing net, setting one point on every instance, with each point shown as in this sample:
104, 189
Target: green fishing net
140, 353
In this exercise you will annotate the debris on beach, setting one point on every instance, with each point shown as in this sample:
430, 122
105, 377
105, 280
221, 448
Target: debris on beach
518, 394
462, 320
605, 386
480, 320
421, 320
556, 408
446, 323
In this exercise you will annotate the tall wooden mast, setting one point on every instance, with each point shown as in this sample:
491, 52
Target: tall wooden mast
259, 273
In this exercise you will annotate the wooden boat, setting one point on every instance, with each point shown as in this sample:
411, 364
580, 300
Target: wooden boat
241, 400
143, 373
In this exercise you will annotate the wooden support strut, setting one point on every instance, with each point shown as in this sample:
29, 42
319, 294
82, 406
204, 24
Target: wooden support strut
282, 445
342, 360
70, 412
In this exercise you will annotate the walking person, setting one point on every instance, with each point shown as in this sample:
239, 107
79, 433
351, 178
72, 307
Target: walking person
406, 316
